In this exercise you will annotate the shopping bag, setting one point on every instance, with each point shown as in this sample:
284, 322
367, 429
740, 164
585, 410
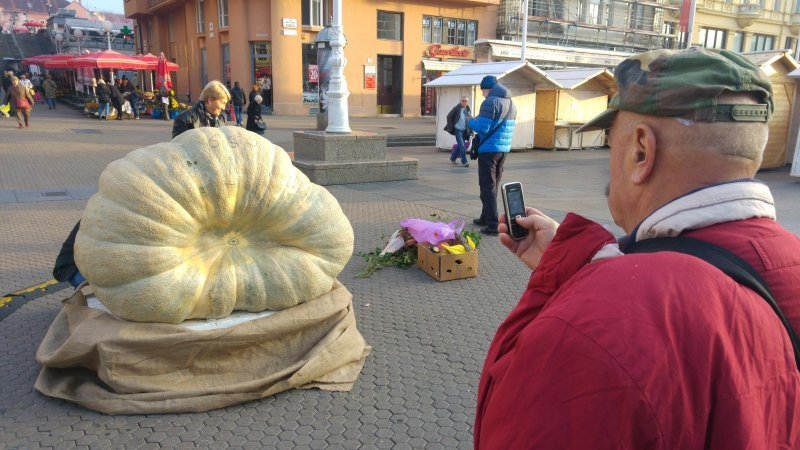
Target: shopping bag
4, 109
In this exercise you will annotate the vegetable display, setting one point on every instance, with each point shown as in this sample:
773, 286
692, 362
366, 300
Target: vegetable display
215, 221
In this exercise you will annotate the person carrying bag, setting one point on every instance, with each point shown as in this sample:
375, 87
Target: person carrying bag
21, 101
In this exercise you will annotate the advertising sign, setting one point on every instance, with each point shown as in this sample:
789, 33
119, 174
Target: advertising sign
370, 77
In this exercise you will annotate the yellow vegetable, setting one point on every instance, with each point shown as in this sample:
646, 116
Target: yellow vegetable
454, 249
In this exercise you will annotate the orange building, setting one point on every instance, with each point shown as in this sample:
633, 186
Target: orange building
393, 47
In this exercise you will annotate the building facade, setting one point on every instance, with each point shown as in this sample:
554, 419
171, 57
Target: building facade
393, 47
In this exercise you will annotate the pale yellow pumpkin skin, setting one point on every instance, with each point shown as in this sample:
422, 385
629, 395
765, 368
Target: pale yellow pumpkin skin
215, 221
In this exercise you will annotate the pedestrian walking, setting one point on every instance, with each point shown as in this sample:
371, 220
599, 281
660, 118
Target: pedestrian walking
254, 121
50, 88
238, 99
494, 127
117, 99
612, 346
457, 125
103, 99
207, 112
21, 102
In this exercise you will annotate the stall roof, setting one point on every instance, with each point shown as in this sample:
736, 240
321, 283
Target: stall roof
472, 74
572, 78
763, 59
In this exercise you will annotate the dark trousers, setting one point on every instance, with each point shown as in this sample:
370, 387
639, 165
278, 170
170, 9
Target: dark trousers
490, 171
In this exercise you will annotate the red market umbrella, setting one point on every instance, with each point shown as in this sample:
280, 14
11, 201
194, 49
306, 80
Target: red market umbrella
33, 23
60, 61
152, 62
162, 73
107, 59
21, 30
34, 60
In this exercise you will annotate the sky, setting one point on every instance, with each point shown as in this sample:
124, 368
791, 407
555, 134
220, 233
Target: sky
115, 6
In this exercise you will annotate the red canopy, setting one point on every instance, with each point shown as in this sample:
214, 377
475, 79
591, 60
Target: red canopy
60, 61
34, 60
107, 59
33, 23
152, 62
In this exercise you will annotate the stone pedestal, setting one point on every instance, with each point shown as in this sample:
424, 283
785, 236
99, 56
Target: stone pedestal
356, 157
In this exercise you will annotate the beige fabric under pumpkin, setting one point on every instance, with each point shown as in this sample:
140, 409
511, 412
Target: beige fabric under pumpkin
119, 367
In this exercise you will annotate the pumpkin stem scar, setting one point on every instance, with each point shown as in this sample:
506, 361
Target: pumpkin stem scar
10, 302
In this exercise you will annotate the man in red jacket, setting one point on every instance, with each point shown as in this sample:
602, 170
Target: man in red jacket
658, 350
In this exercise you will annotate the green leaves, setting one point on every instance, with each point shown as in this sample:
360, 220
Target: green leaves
403, 258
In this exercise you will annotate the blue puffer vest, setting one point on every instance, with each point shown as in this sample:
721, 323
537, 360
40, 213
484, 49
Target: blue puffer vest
492, 112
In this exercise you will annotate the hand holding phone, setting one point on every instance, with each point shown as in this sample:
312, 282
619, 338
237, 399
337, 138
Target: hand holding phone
514, 205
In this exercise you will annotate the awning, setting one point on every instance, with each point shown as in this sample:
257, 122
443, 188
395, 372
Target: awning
435, 65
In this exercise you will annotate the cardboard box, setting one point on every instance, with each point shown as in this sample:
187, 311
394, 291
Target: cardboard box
446, 267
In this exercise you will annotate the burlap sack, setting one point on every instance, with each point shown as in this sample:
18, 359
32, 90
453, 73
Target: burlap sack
118, 367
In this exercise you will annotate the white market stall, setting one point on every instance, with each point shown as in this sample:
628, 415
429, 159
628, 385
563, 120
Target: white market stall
559, 112
523, 79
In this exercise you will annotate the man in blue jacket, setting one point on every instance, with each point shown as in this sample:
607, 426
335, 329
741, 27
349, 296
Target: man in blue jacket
497, 111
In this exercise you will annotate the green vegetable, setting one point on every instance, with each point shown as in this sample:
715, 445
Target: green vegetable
403, 258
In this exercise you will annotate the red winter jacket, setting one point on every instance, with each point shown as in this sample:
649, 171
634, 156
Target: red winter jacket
646, 351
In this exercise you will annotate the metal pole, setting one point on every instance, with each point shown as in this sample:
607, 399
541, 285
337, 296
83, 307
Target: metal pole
690, 26
524, 29
338, 120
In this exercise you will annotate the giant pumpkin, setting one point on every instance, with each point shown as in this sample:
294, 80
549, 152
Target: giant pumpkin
216, 220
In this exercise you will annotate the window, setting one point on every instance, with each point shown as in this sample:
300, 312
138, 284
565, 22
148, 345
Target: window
426, 29
201, 16
457, 31
776, 5
437, 30
738, 41
472, 32
451, 31
222, 12
762, 42
390, 26
594, 12
313, 13
226, 62
203, 67
712, 37
791, 44
171, 29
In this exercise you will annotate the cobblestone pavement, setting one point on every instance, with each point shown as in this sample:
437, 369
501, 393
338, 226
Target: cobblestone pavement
417, 389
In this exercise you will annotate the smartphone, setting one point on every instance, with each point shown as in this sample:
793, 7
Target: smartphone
514, 205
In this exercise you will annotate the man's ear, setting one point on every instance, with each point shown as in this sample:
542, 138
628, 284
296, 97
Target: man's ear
643, 154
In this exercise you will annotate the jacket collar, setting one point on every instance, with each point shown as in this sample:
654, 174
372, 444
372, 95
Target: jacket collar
710, 205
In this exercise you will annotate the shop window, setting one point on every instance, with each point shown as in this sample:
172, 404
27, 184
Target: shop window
451, 31
201, 16
390, 26
222, 12
762, 42
310, 74
738, 42
226, 62
791, 44
713, 37
262, 61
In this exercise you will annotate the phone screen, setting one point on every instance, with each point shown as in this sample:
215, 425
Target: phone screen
515, 205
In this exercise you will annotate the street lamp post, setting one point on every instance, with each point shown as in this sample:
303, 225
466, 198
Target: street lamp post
59, 37
78, 35
338, 120
107, 27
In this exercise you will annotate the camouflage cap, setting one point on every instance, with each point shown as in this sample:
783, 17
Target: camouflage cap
686, 83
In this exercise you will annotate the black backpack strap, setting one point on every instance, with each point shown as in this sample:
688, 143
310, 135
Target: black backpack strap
726, 261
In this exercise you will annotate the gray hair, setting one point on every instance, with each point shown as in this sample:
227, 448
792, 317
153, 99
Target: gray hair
257, 99
215, 89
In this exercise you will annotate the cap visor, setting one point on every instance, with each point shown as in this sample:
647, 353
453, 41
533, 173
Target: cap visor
602, 121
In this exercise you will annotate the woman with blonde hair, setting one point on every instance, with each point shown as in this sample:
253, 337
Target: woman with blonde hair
21, 101
207, 112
